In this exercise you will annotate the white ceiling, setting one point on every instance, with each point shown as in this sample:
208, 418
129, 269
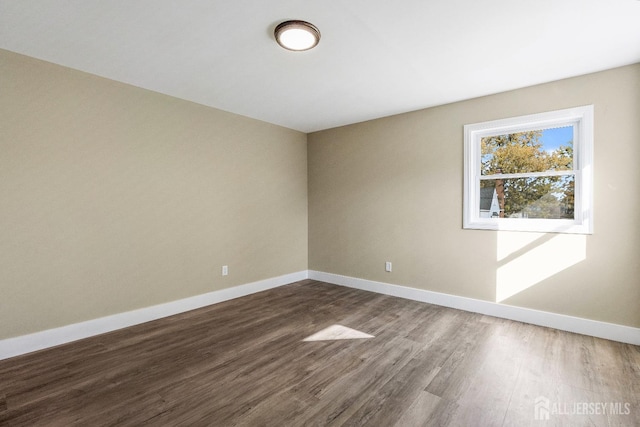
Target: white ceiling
376, 57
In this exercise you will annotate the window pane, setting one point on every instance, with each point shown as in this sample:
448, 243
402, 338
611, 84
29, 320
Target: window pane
524, 152
541, 197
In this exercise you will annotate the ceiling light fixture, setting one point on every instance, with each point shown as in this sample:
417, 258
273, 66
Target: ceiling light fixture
297, 35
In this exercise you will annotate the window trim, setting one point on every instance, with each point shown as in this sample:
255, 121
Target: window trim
582, 120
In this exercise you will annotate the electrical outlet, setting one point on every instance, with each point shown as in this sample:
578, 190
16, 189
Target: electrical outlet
387, 266
225, 270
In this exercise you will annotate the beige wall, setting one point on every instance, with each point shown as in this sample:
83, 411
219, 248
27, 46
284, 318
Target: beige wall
391, 190
114, 198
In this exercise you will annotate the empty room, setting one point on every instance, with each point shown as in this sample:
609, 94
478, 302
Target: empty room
296, 213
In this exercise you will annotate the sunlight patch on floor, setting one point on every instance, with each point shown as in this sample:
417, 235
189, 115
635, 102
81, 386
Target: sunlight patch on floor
531, 258
337, 332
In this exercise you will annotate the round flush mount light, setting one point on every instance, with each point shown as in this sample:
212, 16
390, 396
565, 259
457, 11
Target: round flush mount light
297, 35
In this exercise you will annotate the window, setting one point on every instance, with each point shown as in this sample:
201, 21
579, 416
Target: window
530, 173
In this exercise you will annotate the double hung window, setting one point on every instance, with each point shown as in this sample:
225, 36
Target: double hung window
530, 173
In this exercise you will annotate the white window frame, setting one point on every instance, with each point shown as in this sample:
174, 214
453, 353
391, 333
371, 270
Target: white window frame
581, 118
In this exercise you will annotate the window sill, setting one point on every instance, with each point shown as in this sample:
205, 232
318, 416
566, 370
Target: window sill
530, 225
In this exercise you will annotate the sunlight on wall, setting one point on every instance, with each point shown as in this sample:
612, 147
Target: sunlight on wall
337, 332
525, 259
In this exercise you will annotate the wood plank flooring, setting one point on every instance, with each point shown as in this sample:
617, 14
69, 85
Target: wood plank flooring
244, 363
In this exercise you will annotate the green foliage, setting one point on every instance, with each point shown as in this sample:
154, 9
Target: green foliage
532, 197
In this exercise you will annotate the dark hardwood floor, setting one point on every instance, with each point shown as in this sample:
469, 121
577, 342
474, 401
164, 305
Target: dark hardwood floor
245, 362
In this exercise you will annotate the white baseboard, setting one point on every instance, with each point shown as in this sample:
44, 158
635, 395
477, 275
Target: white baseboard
11, 347
610, 331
